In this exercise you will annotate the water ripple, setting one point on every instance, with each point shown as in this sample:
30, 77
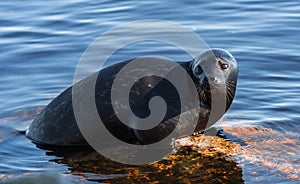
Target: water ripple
41, 44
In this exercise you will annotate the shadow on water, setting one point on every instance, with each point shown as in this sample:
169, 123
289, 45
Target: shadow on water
186, 165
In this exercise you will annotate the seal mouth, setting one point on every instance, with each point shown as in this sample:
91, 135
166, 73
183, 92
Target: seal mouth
222, 87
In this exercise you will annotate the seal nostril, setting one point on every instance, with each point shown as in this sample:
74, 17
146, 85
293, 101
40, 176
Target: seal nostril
213, 79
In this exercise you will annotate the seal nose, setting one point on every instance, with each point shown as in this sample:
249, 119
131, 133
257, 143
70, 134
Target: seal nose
212, 79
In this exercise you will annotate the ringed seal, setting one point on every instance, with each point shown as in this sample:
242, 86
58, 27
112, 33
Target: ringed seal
56, 124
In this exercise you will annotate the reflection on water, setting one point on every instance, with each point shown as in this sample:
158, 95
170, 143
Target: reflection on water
42, 43
269, 153
212, 164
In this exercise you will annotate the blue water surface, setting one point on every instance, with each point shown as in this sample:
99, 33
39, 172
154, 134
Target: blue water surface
41, 44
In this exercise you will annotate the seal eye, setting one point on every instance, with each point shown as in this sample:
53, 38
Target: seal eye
224, 66
197, 71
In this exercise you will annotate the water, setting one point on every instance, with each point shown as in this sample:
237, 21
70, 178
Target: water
41, 44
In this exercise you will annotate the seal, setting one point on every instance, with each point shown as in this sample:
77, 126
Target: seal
214, 73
